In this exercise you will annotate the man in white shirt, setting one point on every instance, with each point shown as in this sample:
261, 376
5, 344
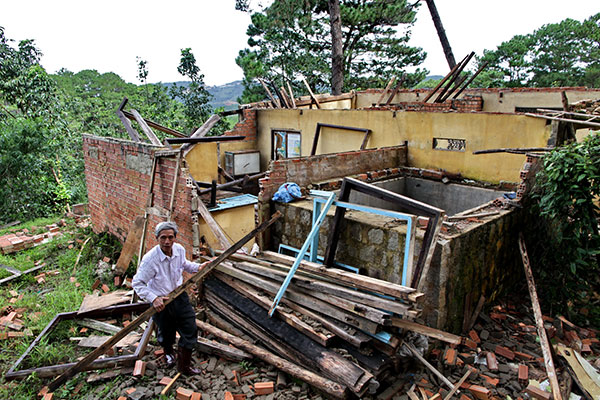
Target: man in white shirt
160, 273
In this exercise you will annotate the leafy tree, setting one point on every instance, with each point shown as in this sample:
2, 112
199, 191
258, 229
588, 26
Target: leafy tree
24, 84
291, 39
562, 54
568, 241
194, 96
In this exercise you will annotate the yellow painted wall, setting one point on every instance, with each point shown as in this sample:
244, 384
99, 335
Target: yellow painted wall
480, 130
236, 222
202, 162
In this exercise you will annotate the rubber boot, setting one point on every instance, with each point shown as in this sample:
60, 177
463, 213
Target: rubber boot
169, 356
184, 362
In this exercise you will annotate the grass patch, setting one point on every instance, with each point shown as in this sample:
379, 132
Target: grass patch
39, 303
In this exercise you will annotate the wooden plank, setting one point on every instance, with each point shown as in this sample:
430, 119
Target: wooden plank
312, 95
200, 132
265, 302
151, 311
220, 350
133, 135
156, 126
352, 279
328, 386
587, 379
426, 330
214, 226
430, 367
389, 85
304, 300
131, 245
292, 99
275, 101
316, 286
539, 322
151, 136
97, 341
99, 326
291, 342
95, 301
460, 382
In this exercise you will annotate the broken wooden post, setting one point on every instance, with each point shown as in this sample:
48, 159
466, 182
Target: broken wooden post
151, 136
539, 322
151, 311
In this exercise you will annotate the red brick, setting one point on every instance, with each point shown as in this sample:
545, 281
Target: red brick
480, 392
504, 352
262, 388
183, 393
474, 336
196, 396
140, 368
523, 373
450, 356
538, 393
492, 362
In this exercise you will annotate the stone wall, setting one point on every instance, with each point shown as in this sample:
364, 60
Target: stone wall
370, 242
478, 258
118, 176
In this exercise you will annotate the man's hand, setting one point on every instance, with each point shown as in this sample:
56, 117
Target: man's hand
204, 264
159, 304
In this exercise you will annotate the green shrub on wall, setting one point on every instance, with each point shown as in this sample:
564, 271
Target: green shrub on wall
566, 196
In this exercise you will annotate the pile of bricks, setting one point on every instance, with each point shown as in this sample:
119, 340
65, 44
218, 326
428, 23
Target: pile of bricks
11, 322
24, 239
504, 357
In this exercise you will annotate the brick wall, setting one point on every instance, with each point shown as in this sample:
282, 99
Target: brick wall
246, 126
315, 169
469, 103
118, 175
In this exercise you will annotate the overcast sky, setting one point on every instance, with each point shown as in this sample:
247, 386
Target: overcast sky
108, 35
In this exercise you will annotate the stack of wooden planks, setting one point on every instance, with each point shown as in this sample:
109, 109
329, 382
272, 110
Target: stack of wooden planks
338, 324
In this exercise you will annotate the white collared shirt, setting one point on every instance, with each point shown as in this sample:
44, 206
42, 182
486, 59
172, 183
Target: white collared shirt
159, 274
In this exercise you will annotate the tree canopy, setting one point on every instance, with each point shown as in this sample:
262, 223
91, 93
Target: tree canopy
291, 39
561, 54
42, 117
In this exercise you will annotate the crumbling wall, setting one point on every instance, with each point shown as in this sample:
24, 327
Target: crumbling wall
482, 260
315, 169
117, 174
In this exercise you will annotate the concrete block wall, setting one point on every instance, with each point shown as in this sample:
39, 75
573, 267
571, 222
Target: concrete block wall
118, 176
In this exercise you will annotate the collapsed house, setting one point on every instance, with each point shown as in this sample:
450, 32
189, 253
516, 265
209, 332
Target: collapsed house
447, 232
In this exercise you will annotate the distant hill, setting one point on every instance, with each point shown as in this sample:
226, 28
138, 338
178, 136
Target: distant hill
223, 95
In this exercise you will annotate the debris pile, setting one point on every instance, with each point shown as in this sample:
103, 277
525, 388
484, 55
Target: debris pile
586, 106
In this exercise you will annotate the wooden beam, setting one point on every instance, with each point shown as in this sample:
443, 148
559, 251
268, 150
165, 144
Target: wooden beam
350, 279
304, 300
288, 341
220, 350
275, 101
151, 311
200, 132
514, 149
389, 85
122, 116
331, 388
312, 95
214, 226
430, 367
539, 322
265, 302
131, 244
460, 382
292, 99
576, 121
151, 136
156, 126
426, 330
